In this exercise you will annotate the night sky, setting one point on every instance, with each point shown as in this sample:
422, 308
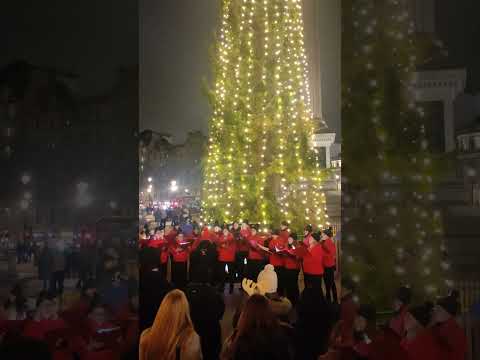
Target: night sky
91, 38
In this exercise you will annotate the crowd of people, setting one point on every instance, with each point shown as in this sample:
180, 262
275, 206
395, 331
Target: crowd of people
288, 306
96, 319
275, 320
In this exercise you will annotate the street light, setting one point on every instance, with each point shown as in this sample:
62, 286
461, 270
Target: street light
173, 186
149, 179
24, 204
25, 179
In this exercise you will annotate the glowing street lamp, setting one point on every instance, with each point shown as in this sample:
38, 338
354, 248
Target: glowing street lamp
150, 179
173, 186
25, 179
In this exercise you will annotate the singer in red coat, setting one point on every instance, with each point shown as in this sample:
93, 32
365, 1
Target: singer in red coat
329, 263
180, 252
226, 248
160, 243
278, 246
313, 264
256, 256
292, 268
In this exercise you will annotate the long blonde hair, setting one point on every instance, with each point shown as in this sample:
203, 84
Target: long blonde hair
171, 328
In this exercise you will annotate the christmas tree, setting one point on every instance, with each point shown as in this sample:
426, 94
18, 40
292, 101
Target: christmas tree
261, 165
392, 233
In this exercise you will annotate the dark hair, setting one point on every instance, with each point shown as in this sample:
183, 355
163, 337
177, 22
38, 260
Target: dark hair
422, 313
256, 321
276, 232
404, 294
284, 223
308, 228
294, 236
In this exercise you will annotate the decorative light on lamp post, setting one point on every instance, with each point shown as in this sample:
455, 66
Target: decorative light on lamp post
173, 186
83, 198
25, 179
150, 179
24, 204
113, 205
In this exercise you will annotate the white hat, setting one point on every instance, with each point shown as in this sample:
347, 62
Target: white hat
267, 279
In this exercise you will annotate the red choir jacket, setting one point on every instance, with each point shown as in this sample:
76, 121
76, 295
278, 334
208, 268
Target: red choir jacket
255, 253
38, 329
307, 239
386, 345
397, 323
451, 339
330, 250
242, 241
291, 261
422, 347
280, 244
162, 244
348, 312
226, 248
313, 260
284, 234
179, 253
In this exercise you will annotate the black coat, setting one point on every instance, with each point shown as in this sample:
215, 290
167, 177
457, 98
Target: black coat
206, 310
152, 289
202, 262
45, 264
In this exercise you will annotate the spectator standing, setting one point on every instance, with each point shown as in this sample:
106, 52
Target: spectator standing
172, 335
58, 268
259, 334
206, 309
45, 265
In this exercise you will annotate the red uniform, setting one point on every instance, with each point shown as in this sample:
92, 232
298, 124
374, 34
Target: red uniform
397, 323
255, 253
284, 234
38, 329
226, 248
307, 239
313, 261
179, 253
279, 244
162, 244
292, 262
451, 339
242, 244
330, 250
422, 347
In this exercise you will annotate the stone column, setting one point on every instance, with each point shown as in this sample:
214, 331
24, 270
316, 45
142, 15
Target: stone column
449, 126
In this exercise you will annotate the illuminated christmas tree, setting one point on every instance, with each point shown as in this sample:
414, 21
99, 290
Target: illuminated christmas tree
260, 164
392, 233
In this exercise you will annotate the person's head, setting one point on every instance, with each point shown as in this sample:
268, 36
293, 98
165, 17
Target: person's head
308, 230
256, 317
446, 308
171, 327
418, 317
47, 306
275, 233
236, 225
244, 225
267, 280
99, 313
284, 225
225, 231
179, 238
348, 286
292, 238
159, 233
365, 318
328, 232
90, 288
403, 297
253, 231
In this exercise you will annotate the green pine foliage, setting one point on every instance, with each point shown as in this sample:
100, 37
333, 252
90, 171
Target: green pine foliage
391, 233
260, 164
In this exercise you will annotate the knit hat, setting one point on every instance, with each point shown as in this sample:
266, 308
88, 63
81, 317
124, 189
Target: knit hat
450, 304
404, 294
422, 313
267, 279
